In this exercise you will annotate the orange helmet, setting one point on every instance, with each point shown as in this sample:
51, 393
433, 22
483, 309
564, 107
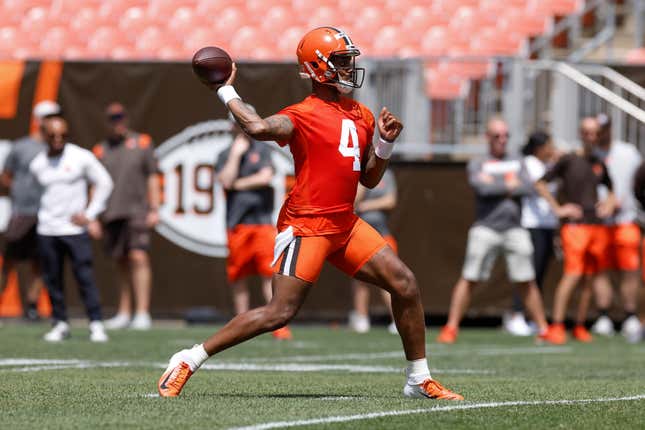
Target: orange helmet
327, 55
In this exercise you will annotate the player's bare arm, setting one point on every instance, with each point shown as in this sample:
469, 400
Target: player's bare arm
260, 179
568, 210
231, 168
389, 128
273, 128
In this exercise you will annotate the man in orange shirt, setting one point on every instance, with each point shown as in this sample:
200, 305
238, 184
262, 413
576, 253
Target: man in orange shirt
330, 137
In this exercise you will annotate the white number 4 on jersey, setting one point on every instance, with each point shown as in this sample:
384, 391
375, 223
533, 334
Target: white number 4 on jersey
349, 146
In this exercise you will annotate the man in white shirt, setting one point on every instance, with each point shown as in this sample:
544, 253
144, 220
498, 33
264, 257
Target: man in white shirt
622, 160
64, 171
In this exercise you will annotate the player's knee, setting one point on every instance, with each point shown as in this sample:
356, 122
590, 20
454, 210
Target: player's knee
278, 316
405, 284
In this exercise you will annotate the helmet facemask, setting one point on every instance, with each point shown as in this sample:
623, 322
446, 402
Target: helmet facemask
345, 76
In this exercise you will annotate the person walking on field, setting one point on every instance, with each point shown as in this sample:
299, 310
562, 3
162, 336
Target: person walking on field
132, 211
330, 137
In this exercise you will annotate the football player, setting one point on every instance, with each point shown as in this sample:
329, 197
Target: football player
330, 137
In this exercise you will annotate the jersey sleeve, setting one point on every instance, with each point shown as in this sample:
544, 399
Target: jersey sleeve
293, 113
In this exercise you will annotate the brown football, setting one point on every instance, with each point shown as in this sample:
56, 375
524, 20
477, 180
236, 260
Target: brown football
212, 65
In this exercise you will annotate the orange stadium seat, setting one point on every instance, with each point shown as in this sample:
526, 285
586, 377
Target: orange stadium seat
289, 42
75, 52
125, 53
416, 20
200, 37
303, 9
444, 86
369, 21
434, 42
132, 22
275, 19
466, 69
326, 15
244, 42
53, 43
388, 42
103, 40
183, 20
111, 11
84, 22
8, 40
228, 21
525, 22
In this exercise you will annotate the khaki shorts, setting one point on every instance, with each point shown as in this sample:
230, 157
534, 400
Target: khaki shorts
485, 244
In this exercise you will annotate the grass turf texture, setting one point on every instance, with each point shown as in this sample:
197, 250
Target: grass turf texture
485, 366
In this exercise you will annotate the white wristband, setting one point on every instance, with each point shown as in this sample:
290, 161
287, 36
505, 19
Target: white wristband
227, 93
383, 149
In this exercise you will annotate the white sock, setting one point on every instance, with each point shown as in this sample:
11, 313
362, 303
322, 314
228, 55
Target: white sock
417, 371
196, 356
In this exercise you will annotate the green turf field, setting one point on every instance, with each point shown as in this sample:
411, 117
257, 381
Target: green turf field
325, 378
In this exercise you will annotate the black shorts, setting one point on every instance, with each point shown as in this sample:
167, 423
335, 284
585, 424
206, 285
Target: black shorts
21, 239
123, 235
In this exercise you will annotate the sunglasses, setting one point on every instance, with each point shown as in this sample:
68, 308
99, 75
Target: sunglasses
52, 136
116, 117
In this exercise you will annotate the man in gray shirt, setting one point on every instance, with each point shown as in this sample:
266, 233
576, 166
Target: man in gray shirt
499, 181
21, 241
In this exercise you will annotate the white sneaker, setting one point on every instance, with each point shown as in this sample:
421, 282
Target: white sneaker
97, 332
603, 326
516, 325
58, 333
359, 323
141, 322
632, 329
118, 322
391, 328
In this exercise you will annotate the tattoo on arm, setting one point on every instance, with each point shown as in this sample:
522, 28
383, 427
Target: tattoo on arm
279, 126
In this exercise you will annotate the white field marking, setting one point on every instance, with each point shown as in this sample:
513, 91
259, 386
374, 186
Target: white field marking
399, 354
291, 367
341, 398
37, 365
151, 395
347, 418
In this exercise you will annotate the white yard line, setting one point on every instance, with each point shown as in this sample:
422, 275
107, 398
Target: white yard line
399, 354
38, 365
487, 405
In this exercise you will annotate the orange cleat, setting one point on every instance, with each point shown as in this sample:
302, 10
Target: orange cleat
581, 334
283, 333
430, 389
174, 378
554, 334
447, 335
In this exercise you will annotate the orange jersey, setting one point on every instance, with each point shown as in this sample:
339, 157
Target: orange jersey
329, 142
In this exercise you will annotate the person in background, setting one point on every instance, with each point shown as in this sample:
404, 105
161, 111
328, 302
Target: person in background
540, 221
132, 211
21, 237
373, 205
500, 182
65, 171
639, 194
245, 171
622, 160
584, 237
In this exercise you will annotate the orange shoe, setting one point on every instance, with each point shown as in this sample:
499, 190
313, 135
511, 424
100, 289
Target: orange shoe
283, 333
175, 377
581, 334
554, 334
447, 335
430, 389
